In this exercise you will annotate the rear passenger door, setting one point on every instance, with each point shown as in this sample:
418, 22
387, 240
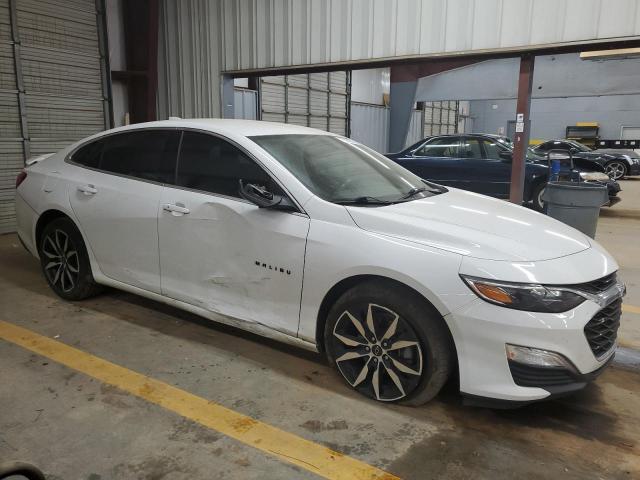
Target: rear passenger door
223, 253
115, 195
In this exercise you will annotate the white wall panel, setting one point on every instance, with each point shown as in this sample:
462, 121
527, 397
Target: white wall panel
370, 125
200, 39
278, 33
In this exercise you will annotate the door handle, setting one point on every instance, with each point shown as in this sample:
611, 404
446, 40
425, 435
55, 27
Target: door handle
88, 189
175, 209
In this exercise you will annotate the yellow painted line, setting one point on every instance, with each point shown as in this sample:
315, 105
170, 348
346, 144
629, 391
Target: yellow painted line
630, 308
285, 446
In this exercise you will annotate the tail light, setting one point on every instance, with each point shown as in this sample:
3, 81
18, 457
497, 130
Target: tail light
20, 178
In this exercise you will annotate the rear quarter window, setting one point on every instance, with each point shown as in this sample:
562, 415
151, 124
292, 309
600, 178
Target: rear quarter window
147, 154
89, 155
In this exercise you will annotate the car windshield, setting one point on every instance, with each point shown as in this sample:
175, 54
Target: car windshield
342, 171
579, 146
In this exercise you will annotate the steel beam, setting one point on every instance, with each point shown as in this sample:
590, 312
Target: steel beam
404, 85
103, 47
22, 104
521, 140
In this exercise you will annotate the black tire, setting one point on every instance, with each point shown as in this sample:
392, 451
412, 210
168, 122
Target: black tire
538, 190
431, 360
616, 169
65, 262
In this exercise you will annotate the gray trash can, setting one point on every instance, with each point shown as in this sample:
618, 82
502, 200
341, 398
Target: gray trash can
575, 203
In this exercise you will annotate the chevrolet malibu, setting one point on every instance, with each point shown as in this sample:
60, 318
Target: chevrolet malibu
313, 239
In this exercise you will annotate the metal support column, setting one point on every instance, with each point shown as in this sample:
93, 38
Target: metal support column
521, 140
105, 69
402, 99
22, 105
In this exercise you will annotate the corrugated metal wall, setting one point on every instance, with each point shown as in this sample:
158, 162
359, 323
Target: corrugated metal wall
51, 84
317, 100
370, 126
415, 128
267, 34
245, 103
189, 45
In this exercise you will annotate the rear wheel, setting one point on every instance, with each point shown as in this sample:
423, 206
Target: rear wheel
65, 262
538, 192
388, 343
615, 169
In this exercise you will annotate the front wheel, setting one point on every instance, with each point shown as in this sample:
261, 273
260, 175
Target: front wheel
615, 169
388, 343
65, 262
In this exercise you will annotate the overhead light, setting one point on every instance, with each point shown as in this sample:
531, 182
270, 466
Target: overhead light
616, 54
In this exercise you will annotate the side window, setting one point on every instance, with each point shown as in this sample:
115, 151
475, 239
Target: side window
89, 155
213, 165
492, 149
544, 147
470, 148
439, 147
146, 154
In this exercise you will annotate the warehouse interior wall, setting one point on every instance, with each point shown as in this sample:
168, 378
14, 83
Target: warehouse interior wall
551, 116
189, 46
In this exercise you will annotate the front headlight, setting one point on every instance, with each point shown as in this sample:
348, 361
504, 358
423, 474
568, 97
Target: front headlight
524, 296
594, 176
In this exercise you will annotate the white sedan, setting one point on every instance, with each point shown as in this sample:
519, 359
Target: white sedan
311, 238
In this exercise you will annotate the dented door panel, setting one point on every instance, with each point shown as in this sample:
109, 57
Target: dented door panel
230, 257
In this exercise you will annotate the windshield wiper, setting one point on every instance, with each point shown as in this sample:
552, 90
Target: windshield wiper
414, 191
365, 200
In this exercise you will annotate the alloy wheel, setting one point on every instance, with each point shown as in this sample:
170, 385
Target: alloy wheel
540, 200
378, 352
62, 264
615, 170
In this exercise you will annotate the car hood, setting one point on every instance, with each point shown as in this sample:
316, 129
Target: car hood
475, 225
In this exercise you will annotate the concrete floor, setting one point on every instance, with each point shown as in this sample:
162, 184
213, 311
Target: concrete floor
74, 427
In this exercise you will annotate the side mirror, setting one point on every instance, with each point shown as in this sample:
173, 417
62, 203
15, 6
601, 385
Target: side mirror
505, 155
263, 198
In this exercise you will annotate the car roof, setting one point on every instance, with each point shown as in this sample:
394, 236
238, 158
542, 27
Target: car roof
247, 128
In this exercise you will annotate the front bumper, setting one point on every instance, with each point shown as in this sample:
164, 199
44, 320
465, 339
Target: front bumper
482, 330
634, 169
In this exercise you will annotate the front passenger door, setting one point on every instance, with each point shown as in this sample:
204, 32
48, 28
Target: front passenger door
221, 252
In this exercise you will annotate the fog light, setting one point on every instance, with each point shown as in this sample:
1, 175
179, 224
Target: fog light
537, 357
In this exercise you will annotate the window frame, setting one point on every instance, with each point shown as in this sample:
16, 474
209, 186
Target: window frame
458, 138
479, 140
483, 140
69, 159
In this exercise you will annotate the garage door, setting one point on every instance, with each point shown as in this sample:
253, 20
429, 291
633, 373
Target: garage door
317, 100
440, 118
51, 84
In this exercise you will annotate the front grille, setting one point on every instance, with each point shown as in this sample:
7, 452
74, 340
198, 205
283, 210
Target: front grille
602, 329
596, 286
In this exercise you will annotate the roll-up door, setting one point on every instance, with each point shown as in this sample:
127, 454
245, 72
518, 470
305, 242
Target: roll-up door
441, 118
52, 88
317, 100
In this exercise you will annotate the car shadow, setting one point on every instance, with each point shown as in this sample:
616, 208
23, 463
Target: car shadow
585, 414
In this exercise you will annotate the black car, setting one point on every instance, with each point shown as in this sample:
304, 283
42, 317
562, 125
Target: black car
617, 164
482, 163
